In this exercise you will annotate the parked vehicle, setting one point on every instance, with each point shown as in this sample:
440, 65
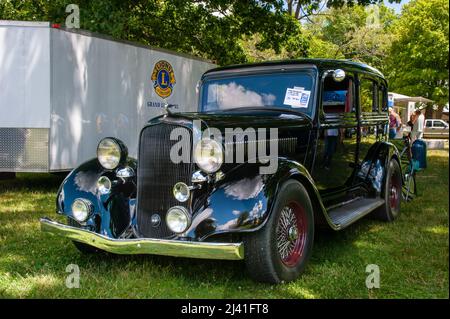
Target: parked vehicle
334, 165
435, 128
62, 90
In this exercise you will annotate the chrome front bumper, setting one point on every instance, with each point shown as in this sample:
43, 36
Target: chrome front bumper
176, 248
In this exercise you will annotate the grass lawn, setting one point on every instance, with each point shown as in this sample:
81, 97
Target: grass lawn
412, 254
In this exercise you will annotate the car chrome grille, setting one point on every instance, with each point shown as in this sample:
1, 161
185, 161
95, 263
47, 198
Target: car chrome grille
157, 175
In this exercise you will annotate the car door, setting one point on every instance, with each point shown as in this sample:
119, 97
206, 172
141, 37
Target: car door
335, 158
373, 120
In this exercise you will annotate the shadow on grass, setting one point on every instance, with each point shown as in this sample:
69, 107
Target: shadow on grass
44, 258
36, 262
32, 182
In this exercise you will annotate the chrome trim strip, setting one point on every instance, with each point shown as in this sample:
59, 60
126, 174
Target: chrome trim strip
176, 248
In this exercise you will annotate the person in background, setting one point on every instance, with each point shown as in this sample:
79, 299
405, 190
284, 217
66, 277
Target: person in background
418, 125
412, 120
395, 123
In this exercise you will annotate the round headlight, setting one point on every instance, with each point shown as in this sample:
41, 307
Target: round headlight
178, 219
104, 185
110, 152
81, 209
208, 155
181, 192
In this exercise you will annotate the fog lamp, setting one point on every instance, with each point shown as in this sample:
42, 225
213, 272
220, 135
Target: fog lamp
178, 219
81, 209
181, 192
104, 185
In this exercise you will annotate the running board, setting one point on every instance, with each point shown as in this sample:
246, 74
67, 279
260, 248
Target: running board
347, 214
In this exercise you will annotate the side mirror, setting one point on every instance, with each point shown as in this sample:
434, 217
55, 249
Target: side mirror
338, 75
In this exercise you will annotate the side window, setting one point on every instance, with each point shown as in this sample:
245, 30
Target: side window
382, 99
429, 124
368, 95
438, 124
339, 97
372, 97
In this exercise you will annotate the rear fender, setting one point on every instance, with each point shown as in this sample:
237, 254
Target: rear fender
374, 167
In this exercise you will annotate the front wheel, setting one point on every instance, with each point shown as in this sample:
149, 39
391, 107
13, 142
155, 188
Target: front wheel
280, 250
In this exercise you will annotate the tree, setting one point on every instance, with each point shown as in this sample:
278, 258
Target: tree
306, 9
352, 32
420, 51
213, 29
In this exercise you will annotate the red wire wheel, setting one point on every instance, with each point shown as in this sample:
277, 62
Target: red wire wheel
292, 232
395, 192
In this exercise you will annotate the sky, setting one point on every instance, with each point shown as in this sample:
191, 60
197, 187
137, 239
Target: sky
396, 6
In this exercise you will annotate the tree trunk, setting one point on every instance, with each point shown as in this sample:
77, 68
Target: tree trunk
289, 3
429, 112
297, 10
438, 112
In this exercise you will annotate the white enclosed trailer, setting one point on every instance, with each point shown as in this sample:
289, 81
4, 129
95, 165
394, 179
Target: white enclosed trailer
62, 90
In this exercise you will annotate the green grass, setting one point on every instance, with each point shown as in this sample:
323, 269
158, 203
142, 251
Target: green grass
412, 254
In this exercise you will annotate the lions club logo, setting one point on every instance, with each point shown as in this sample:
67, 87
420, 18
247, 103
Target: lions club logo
163, 78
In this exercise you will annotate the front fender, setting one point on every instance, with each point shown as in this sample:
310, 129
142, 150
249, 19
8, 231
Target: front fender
242, 201
113, 212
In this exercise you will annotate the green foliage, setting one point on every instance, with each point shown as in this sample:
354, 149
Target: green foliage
295, 45
352, 32
211, 29
226, 31
301, 9
419, 56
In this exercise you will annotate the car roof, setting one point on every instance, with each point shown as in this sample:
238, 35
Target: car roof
322, 64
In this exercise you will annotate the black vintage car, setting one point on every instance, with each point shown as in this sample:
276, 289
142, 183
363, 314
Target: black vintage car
275, 150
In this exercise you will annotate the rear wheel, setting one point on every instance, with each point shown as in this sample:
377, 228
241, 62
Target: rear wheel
280, 250
392, 193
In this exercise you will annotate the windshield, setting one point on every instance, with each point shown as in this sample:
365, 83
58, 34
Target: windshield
291, 90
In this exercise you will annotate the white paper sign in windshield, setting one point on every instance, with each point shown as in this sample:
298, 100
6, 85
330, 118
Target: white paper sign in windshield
297, 97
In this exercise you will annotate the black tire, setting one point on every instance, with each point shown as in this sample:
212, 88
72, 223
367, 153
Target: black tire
82, 247
391, 193
263, 258
86, 249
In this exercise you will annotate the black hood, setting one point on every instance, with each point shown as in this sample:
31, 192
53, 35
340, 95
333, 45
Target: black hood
242, 118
